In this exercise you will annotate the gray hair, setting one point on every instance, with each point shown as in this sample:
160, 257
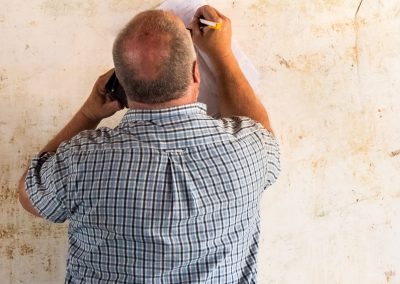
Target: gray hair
174, 72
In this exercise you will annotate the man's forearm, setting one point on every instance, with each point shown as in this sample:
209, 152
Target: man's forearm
78, 123
236, 96
98, 106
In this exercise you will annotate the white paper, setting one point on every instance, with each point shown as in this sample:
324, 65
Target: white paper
185, 9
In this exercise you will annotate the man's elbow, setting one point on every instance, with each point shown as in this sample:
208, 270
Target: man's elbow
267, 125
23, 198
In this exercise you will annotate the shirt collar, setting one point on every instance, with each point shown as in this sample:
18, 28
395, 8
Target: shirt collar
155, 114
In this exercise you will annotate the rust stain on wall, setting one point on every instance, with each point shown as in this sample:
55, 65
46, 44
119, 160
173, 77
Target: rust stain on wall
319, 211
361, 137
66, 7
361, 144
7, 194
362, 197
364, 173
318, 164
5, 169
332, 2
49, 264
283, 62
395, 153
262, 7
353, 53
338, 27
303, 63
42, 228
9, 252
297, 137
123, 5
26, 249
260, 3
389, 275
7, 231
3, 78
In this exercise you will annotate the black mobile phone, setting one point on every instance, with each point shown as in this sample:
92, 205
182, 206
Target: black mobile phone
116, 91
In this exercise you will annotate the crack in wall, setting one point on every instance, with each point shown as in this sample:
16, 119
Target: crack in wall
395, 153
358, 8
356, 43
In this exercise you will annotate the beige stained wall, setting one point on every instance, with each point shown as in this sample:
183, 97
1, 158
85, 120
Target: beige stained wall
331, 83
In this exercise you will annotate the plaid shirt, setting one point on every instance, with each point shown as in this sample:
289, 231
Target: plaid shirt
168, 196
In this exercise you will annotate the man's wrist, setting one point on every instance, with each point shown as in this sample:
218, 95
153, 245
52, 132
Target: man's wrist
221, 57
86, 115
224, 62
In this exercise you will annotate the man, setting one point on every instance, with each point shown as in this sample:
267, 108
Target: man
171, 195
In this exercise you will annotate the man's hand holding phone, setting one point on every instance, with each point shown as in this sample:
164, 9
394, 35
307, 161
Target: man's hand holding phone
100, 104
114, 88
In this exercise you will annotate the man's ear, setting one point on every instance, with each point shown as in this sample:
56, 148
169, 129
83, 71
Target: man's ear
196, 72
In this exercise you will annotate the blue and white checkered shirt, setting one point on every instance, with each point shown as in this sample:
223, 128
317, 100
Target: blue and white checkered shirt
168, 196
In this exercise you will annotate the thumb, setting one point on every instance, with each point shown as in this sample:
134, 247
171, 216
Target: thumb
195, 27
114, 105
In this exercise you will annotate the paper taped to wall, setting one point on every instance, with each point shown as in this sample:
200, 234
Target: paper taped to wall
185, 9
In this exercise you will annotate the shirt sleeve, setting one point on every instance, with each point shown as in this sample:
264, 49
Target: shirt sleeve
47, 182
272, 157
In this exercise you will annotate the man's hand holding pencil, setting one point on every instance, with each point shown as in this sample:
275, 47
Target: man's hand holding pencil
212, 32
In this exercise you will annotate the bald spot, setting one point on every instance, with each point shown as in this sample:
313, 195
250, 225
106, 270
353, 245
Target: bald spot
147, 52
147, 49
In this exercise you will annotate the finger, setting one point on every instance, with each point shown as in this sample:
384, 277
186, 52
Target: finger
100, 85
111, 102
199, 13
108, 73
195, 28
105, 77
118, 105
192, 24
207, 12
220, 14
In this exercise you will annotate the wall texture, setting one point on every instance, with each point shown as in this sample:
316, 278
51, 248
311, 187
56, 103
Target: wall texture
330, 80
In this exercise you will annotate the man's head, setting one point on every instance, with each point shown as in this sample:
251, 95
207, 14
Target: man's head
154, 58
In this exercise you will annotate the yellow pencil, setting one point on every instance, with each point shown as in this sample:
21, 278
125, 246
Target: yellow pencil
210, 24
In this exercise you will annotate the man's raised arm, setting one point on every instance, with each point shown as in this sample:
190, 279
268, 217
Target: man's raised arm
236, 96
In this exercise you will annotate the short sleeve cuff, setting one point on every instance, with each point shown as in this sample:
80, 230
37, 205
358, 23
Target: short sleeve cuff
41, 190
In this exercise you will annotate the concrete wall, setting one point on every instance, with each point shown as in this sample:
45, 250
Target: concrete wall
330, 82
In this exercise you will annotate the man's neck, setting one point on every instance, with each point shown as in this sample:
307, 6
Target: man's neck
185, 100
